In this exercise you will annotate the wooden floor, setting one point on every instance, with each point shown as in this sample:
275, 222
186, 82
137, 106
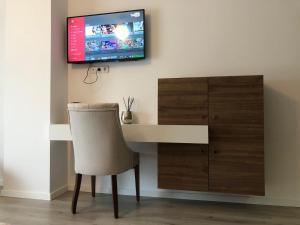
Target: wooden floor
151, 211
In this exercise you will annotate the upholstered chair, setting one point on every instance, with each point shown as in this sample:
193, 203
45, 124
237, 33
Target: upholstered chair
99, 147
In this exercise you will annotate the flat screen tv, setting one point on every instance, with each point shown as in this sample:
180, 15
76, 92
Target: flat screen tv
118, 36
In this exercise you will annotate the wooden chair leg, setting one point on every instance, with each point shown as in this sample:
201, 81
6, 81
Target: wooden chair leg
76, 192
115, 195
93, 184
137, 182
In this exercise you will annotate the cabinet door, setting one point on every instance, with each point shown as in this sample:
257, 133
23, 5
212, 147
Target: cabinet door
183, 167
236, 145
183, 101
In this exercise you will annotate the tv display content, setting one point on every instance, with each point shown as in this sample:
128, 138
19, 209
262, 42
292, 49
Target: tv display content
106, 37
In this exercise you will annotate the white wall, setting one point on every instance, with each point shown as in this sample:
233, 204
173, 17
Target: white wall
35, 94
59, 94
27, 99
210, 37
2, 22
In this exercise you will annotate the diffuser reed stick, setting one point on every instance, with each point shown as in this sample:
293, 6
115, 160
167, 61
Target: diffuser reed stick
129, 103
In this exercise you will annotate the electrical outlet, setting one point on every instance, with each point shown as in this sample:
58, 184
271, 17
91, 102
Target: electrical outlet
105, 69
100, 69
94, 69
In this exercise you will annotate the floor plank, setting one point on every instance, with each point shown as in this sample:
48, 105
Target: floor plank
150, 211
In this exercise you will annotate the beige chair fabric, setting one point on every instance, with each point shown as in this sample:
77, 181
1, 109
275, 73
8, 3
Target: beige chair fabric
99, 145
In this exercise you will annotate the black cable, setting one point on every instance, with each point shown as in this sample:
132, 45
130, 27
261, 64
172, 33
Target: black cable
88, 74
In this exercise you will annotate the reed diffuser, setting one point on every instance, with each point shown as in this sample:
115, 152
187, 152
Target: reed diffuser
127, 117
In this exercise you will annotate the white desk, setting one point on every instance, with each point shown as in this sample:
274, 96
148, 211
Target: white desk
192, 134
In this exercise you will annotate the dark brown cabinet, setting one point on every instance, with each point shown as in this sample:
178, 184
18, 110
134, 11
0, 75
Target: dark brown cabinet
236, 135
232, 107
183, 101
183, 167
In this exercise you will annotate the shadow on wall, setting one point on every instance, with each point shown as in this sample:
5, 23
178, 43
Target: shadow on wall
282, 141
10, 178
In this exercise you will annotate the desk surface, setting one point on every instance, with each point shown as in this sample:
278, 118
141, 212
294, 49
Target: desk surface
192, 134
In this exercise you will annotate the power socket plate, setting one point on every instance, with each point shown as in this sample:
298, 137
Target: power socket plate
100, 69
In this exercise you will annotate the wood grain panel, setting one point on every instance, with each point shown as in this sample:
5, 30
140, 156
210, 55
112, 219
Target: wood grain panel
236, 100
183, 167
236, 149
183, 101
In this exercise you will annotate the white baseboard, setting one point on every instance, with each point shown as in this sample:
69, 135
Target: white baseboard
58, 192
34, 195
26, 194
216, 197
85, 188
200, 196
159, 193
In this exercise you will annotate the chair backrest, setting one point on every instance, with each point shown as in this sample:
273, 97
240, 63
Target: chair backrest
99, 146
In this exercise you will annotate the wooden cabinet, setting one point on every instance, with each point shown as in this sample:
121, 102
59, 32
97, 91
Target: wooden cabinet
183, 167
183, 101
232, 107
236, 135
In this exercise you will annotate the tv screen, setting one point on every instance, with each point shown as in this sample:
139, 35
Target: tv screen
118, 36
